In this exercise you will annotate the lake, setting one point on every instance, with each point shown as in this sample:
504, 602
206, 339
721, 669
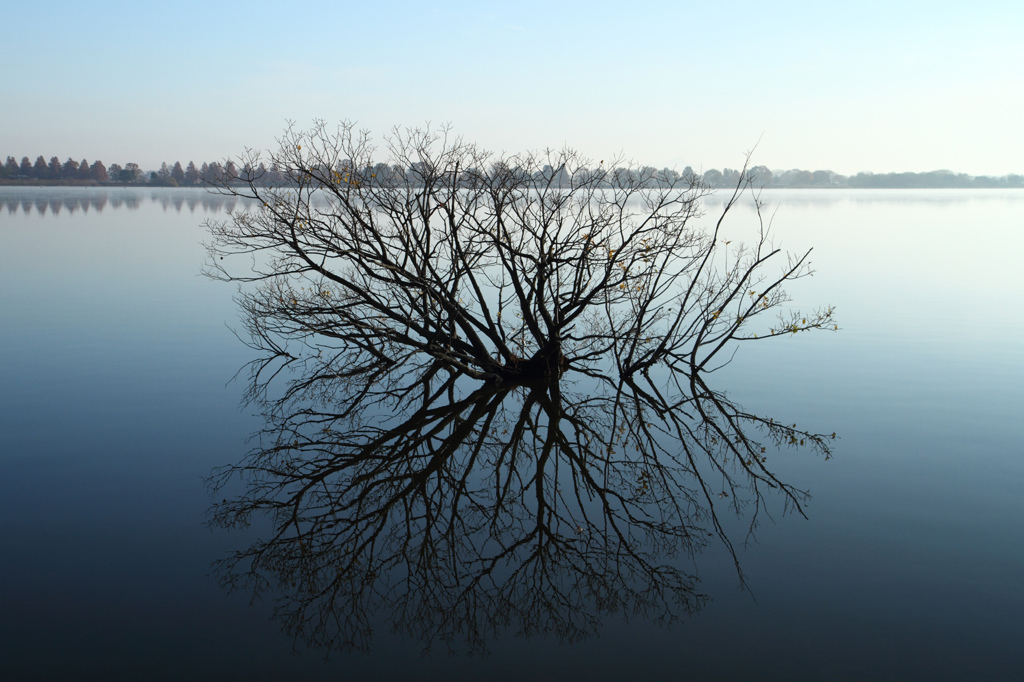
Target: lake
117, 402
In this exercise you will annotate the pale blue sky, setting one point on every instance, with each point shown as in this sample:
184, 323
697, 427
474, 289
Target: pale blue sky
882, 86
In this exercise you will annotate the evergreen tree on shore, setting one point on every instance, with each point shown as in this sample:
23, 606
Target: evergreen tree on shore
98, 171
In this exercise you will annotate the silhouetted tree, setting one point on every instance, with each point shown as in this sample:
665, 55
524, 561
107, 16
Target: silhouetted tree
98, 171
821, 178
131, 173
493, 408
40, 169
731, 177
178, 173
803, 178
761, 176
163, 176
191, 174
712, 177
212, 173
70, 169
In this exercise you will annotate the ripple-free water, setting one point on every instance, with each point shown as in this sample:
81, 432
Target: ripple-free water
116, 401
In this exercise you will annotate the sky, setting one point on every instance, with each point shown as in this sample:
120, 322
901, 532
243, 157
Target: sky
856, 86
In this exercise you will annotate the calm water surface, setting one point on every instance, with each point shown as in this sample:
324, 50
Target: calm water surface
116, 401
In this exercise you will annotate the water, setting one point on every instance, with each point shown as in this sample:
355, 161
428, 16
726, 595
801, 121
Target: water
116, 401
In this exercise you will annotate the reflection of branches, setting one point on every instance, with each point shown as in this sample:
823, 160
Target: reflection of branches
493, 411
510, 507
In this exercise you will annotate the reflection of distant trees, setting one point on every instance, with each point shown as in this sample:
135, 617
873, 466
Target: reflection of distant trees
44, 201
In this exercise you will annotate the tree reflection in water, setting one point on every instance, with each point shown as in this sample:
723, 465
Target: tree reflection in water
484, 388
462, 512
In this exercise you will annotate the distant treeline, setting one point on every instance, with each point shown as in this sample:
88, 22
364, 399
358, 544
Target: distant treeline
82, 172
827, 178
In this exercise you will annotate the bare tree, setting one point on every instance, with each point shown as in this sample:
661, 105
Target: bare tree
484, 379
